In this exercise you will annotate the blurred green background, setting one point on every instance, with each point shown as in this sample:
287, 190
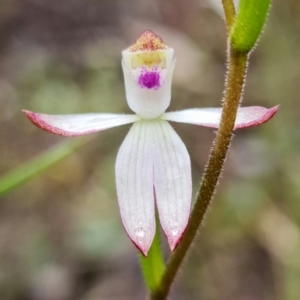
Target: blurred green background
61, 236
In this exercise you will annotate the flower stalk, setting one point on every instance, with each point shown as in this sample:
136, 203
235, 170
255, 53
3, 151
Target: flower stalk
234, 89
229, 12
233, 96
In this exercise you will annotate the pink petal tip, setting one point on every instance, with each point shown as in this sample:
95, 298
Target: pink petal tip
142, 248
174, 237
39, 120
141, 241
56, 123
254, 116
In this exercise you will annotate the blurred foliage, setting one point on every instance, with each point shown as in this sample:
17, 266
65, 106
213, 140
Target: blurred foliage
61, 236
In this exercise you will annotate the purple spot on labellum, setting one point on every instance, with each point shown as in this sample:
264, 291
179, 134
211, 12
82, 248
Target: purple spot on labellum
149, 80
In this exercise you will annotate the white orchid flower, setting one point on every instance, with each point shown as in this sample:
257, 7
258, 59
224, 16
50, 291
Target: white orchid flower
153, 165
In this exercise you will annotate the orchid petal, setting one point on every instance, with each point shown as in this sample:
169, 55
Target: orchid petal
134, 178
80, 124
172, 182
210, 117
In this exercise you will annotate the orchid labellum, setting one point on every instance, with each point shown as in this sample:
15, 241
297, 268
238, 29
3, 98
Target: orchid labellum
152, 163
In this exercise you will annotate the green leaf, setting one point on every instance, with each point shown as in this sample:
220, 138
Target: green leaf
33, 167
249, 24
153, 265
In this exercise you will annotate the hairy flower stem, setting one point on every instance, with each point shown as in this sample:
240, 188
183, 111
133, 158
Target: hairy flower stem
233, 95
229, 11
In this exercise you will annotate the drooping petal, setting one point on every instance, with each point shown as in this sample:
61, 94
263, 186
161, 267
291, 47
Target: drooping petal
134, 178
80, 124
210, 117
172, 181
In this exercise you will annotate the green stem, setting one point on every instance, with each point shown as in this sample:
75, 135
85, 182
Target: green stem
153, 265
229, 11
38, 164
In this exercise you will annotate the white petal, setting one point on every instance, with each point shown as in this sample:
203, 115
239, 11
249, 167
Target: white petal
172, 182
75, 125
149, 103
134, 177
210, 117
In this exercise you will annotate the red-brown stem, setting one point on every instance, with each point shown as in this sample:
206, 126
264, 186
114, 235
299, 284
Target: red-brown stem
234, 88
